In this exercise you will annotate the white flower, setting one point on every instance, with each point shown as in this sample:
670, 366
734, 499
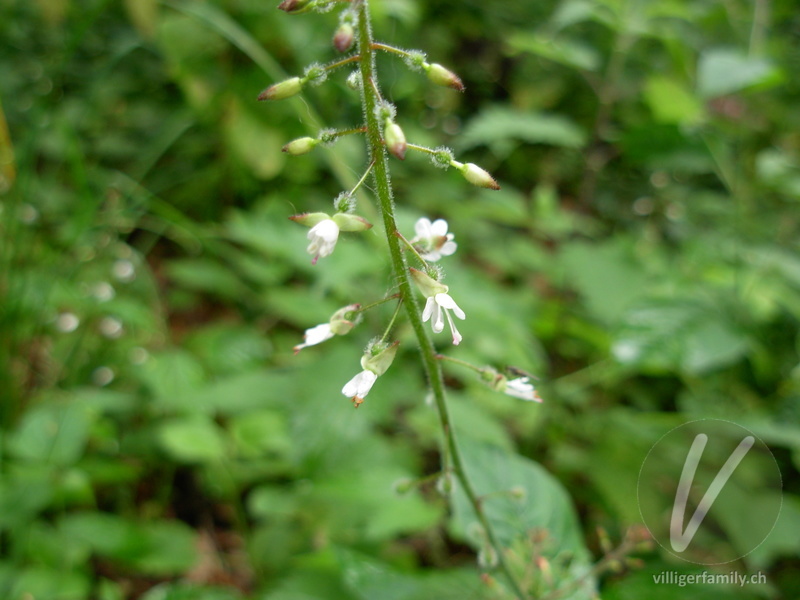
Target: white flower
520, 388
433, 239
315, 335
443, 303
359, 386
323, 238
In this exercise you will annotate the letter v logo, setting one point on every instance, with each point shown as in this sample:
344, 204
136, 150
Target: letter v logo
680, 539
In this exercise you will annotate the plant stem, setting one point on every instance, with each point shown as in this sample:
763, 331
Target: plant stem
383, 188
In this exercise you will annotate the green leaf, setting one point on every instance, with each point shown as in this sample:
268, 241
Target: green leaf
154, 548
677, 335
52, 433
564, 51
195, 439
260, 432
671, 102
498, 126
545, 503
606, 275
725, 71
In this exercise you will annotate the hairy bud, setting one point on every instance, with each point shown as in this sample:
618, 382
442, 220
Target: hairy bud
441, 76
294, 7
477, 176
395, 139
344, 37
284, 89
300, 146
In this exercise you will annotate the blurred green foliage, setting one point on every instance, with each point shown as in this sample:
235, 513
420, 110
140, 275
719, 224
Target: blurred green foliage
160, 441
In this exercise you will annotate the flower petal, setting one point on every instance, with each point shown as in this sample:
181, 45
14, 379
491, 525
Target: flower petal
423, 228
439, 228
448, 248
360, 385
438, 321
429, 305
446, 301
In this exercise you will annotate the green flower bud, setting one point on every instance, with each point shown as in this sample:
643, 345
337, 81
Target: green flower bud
379, 360
284, 89
395, 139
477, 176
348, 222
441, 76
300, 146
309, 219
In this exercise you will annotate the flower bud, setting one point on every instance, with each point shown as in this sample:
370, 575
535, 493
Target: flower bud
309, 219
477, 176
344, 37
441, 76
294, 7
395, 139
284, 89
300, 146
379, 363
349, 222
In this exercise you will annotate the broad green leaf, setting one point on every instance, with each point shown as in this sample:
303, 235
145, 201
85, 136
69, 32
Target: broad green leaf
671, 102
564, 51
725, 71
606, 275
195, 439
155, 547
498, 126
260, 432
544, 505
52, 584
54, 433
681, 335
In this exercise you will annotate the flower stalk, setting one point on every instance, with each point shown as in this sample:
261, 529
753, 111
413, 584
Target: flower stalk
370, 97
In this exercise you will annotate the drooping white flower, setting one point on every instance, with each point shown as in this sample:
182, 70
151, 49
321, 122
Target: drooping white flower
443, 303
315, 335
521, 388
342, 321
377, 359
359, 386
323, 237
433, 239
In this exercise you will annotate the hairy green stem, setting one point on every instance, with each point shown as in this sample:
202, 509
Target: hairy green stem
377, 154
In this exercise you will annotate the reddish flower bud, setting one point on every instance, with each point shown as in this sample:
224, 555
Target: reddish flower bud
294, 7
395, 139
441, 76
477, 176
344, 37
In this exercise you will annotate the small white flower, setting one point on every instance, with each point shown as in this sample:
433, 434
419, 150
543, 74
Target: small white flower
359, 386
443, 303
433, 239
520, 388
315, 335
323, 238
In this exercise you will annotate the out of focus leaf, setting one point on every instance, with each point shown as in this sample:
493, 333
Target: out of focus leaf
724, 71
498, 126
192, 439
564, 51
